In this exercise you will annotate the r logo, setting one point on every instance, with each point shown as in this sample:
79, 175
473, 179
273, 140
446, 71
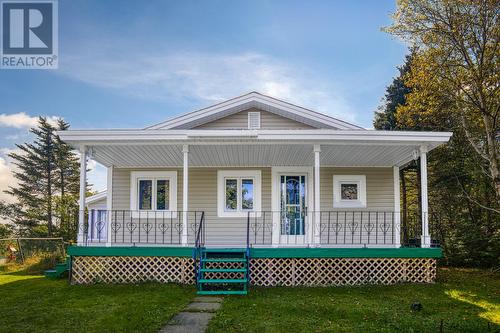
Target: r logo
27, 28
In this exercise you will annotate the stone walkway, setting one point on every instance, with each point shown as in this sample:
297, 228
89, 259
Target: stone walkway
195, 317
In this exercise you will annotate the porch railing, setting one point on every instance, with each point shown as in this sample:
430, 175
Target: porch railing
129, 227
335, 228
263, 228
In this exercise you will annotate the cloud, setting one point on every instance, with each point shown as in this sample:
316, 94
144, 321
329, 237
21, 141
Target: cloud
208, 77
22, 120
6, 176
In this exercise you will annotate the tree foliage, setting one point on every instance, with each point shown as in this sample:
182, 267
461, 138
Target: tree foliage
458, 68
452, 85
395, 95
48, 183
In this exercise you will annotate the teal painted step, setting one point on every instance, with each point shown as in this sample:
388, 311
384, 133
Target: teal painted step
224, 284
59, 271
224, 270
222, 281
225, 260
222, 292
223, 250
51, 274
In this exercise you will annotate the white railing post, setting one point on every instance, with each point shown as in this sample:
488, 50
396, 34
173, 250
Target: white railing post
83, 188
109, 204
426, 239
397, 208
185, 195
317, 190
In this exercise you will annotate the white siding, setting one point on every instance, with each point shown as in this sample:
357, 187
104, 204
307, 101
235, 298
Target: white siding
268, 120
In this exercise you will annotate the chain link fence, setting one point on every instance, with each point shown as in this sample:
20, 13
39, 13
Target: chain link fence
19, 250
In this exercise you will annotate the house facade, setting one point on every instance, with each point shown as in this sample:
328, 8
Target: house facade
281, 183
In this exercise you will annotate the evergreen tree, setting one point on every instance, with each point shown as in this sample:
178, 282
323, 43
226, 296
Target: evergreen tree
395, 95
48, 176
67, 181
386, 119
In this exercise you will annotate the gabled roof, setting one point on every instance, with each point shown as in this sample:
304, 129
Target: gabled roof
254, 100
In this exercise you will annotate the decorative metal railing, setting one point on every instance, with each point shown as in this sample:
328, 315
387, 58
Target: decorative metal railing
332, 228
263, 228
129, 227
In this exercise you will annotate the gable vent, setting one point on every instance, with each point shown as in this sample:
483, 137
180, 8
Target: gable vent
253, 120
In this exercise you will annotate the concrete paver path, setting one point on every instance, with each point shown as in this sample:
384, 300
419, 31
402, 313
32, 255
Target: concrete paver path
196, 316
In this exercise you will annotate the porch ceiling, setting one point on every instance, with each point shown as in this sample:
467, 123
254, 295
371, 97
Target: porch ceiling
255, 155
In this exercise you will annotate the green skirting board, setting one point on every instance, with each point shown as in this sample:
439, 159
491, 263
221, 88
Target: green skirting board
263, 252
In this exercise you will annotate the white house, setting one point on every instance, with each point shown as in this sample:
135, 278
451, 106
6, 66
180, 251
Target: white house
259, 174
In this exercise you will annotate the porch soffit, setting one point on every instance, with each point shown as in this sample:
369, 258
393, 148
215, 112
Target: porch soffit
252, 155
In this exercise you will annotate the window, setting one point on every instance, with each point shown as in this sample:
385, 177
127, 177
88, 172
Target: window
253, 120
349, 191
153, 191
97, 224
238, 192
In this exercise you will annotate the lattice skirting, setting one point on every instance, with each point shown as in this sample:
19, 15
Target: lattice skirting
121, 269
340, 271
264, 272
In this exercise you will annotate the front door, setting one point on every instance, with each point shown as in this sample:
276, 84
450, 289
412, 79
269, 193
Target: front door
293, 208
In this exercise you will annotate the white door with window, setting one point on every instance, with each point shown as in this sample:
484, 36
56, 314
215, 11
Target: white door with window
291, 200
293, 209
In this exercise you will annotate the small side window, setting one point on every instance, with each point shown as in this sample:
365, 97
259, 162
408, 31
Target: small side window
349, 191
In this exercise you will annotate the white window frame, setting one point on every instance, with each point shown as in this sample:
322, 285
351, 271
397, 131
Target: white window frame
255, 114
222, 175
136, 176
338, 180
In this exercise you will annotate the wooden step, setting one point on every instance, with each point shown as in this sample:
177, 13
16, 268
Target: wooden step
225, 250
225, 260
222, 281
225, 270
222, 292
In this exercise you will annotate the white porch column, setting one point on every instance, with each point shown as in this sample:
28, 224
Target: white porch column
83, 188
397, 208
185, 196
426, 239
317, 202
109, 204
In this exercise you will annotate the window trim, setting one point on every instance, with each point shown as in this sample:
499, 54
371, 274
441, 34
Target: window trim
136, 176
360, 180
222, 175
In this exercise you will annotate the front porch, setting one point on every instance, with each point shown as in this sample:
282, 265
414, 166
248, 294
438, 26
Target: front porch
321, 188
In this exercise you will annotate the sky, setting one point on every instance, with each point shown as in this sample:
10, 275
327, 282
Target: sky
130, 64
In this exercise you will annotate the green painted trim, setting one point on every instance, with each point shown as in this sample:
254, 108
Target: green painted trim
263, 252
130, 251
345, 253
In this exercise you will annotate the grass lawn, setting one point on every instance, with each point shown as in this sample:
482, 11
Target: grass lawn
466, 301
32, 303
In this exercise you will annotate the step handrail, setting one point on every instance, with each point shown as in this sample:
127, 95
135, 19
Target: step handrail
200, 241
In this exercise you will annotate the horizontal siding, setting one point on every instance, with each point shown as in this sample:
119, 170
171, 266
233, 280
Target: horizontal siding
268, 121
232, 231
379, 187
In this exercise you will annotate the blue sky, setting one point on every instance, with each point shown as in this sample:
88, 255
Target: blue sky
130, 64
